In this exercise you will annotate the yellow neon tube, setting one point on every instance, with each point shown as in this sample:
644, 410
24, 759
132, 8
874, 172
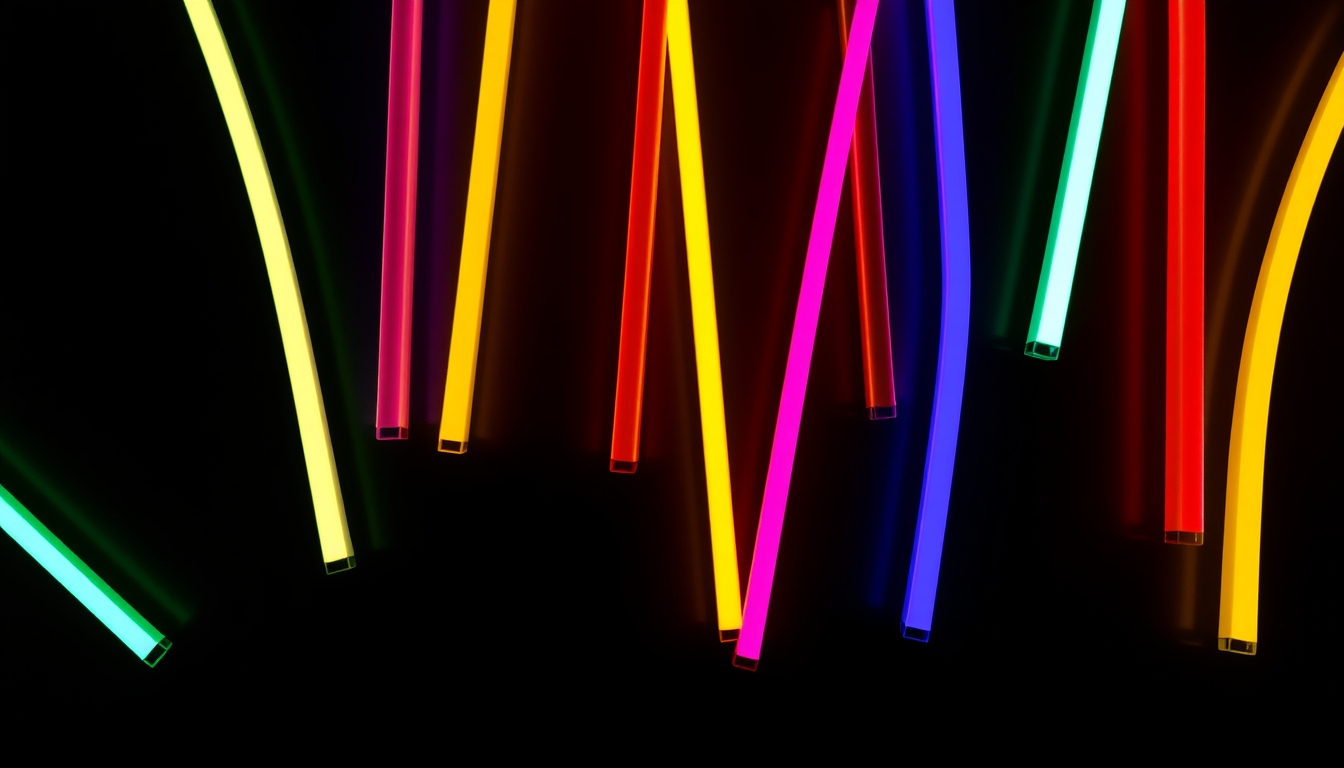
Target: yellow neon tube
337, 552
723, 542
1237, 615
461, 380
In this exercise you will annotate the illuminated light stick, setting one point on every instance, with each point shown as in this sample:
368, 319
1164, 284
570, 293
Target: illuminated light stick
921, 588
1239, 604
865, 185
460, 382
639, 239
1184, 522
337, 552
804, 335
1075, 184
403, 146
116, 614
704, 322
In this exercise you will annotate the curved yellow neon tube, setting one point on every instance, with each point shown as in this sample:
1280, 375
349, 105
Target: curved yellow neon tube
1250, 416
460, 382
704, 322
337, 551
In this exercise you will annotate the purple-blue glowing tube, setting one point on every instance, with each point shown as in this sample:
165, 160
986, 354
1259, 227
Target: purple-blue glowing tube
921, 589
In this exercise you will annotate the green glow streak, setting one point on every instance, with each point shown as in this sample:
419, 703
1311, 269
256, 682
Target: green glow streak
130, 627
1075, 184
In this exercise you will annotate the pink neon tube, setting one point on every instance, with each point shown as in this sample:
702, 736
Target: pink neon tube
403, 142
804, 336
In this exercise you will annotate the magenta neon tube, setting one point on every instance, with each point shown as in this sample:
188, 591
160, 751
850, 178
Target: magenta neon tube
804, 336
403, 142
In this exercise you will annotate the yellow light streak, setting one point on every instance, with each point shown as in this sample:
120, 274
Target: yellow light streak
723, 542
1237, 617
337, 551
460, 383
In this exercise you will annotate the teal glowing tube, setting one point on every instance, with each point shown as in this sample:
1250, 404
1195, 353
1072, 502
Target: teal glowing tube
1075, 182
116, 614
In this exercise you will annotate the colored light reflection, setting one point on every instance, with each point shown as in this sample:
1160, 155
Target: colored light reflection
337, 551
865, 185
403, 146
704, 321
1075, 184
1239, 604
639, 239
1185, 274
130, 627
804, 334
460, 382
921, 590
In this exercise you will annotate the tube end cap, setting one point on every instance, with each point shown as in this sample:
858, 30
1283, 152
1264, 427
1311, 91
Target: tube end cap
336, 566
1189, 538
392, 433
742, 662
452, 446
880, 412
1041, 351
624, 467
914, 633
156, 653
728, 635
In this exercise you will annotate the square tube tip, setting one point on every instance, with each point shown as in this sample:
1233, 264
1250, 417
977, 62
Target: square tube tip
452, 446
336, 566
156, 653
1189, 538
728, 635
1233, 645
1041, 351
880, 412
624, 467
392, 433
742, 662
914, 633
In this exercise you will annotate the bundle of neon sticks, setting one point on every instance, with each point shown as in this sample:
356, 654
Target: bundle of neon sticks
852, 143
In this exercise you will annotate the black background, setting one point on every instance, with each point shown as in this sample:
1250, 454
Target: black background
146, 417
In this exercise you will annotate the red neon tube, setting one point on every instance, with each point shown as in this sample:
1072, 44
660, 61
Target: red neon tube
639, 239
403, 141
866, 190
1184, 522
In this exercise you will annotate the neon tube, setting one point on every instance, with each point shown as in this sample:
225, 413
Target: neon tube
804, 335
403, 143
639, 239
337, 552
865, 185
460, 382
1185, 274
1239, 604
704, 322
1075, 184
116, 614
921, 589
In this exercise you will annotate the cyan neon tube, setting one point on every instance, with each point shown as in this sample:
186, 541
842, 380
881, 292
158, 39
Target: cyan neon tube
1075, 183
921, 589
116, 614
782, 450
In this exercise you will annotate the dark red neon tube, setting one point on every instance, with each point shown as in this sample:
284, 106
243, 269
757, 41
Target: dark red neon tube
403, 141
1184, 522
866, 191
639, 239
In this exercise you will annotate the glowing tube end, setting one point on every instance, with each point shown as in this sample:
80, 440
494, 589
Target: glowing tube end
392, 433
1184, 537
336, 566
742, 662
1233, 645
158, 651
728, 635
624, 467
911, 633
882, 412
1041, 351
452, 446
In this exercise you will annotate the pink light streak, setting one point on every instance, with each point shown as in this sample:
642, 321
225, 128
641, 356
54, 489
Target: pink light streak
804, 337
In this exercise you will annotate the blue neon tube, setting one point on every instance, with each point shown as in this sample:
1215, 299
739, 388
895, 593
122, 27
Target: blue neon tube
921, 589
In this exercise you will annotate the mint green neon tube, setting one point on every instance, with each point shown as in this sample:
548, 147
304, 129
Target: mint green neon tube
1075, 182
130, 627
